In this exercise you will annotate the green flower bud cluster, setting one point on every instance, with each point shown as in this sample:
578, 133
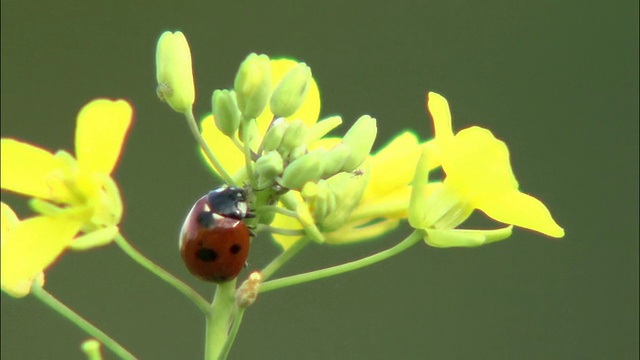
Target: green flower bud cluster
332, 200
290, 156
298, 165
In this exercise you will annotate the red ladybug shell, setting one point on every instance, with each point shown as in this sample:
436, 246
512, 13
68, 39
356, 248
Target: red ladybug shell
213, 247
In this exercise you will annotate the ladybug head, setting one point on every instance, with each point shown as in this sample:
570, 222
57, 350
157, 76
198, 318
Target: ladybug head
229, 201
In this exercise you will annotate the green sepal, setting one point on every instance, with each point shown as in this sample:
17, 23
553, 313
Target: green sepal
465, 237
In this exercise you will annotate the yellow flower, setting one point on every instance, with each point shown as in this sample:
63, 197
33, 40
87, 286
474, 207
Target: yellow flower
230, 156
478, 176
72, 195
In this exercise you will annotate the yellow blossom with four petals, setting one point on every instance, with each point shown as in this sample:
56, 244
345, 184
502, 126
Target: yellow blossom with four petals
478, 176
73, 195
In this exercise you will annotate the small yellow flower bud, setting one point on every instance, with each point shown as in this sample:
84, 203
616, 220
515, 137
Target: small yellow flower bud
253, 85
91, 349
307, 168
269, 165
293, 136
320, 199
347, 190
296, 153
174, 72
225, 111
273, 137
359, 138
334, 160
291, 91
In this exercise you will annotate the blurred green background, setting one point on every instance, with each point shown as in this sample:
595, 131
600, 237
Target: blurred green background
557, 80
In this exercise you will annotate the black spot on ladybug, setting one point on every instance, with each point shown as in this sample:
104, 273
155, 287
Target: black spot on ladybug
207, 255
235, 248
205, 219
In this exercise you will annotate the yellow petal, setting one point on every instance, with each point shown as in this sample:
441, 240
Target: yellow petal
516, 208
478, 162
393, 166
26, 168
229, 156
309, 110
30, 247
351, 234
101, 128
285, 222
9, 219
438, 110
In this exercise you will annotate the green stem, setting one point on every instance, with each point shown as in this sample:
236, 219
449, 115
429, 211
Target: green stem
274, 230
232, 334
214, 161
247, 155
277, 209
55, 304
162, 274
218, 320
412, 239
274, 265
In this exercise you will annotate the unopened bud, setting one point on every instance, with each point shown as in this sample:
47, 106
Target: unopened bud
359, 138
253, 85
307, 168
174, 71
269, 165
273, 137
293, 136
334, 159
225, 111
291, 91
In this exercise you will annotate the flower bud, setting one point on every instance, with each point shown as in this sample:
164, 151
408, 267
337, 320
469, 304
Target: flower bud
320, 199
322, 128
291, 91
307, 168
273, 137
334, 159
359, 138
174, 72
269, 166
253, 85
347, 190
296, 153
293, 136
225, 111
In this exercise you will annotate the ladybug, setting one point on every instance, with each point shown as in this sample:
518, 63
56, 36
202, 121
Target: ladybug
214, 242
